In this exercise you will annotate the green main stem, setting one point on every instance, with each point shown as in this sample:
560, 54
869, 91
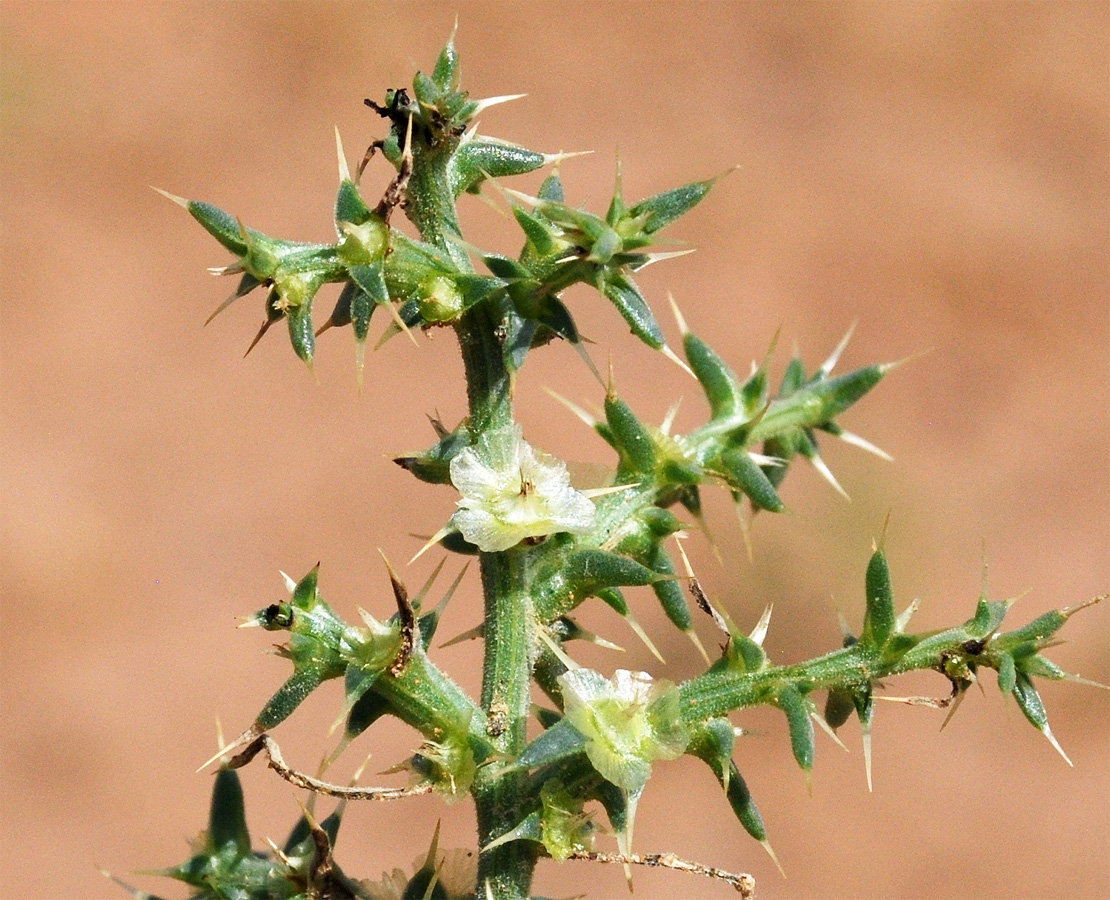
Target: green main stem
506, 678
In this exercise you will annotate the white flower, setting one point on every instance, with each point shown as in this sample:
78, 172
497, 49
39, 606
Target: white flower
628, 722
511, 492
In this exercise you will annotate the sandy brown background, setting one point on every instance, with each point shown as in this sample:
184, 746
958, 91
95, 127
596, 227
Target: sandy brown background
936, 171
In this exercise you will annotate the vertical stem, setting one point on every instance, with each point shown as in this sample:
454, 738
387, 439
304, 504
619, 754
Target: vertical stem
506, 677
505, 697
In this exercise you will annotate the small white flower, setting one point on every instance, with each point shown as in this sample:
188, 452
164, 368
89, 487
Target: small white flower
628, 722
511, 492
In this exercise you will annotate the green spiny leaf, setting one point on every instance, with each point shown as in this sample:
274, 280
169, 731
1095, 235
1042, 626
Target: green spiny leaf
662, 209
632, 439
227, 820
722, 387
880, 621
445, 73
560, 741
626, 297
742, 473
794, 706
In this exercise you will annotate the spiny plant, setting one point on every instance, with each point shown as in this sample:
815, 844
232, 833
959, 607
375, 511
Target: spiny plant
545, 548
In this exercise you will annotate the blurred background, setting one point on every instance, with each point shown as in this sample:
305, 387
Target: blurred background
937, 172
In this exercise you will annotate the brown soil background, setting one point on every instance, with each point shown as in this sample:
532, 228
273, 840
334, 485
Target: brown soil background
938, 172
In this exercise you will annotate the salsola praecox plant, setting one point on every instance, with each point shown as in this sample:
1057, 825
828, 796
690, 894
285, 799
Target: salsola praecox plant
544, 547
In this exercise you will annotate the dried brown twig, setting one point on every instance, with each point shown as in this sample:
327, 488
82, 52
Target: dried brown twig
743, 883
278, 764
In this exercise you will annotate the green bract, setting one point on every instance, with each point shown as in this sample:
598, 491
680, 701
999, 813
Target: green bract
544, 549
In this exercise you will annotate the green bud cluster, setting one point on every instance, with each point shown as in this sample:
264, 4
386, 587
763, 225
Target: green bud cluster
431, 283
223, 865
385, 670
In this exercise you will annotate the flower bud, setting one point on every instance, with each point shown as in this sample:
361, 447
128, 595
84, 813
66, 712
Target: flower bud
440, 300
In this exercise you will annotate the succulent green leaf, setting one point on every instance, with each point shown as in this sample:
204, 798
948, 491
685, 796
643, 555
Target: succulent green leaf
839, 705
1007, 673
557, 319
552, 189
613, 597
428, 93
839, 393
670, 594
879, 621
585, 573
793, 378
661, 522
865, 706
371, 279
632, 439
622, 292
547, 717
1030, 701
530, 828
366, 711
246, 284
744, 654
349, 205
223, 226
816, 403
302, 333
744, 474
289, 696
794, 706
480, 158
590, 570
754, 392
361, 310
540, 234
305, 594
358, 681
988, 616
434, 465
721, 386
1037, 666
713, 743
714, 746
561, 741
1037, 632
743, 806
504, 267
227, 820
445, 73
662, 209
615, 802
342, 314
690, 497
607, 244
475, 289
520, 336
